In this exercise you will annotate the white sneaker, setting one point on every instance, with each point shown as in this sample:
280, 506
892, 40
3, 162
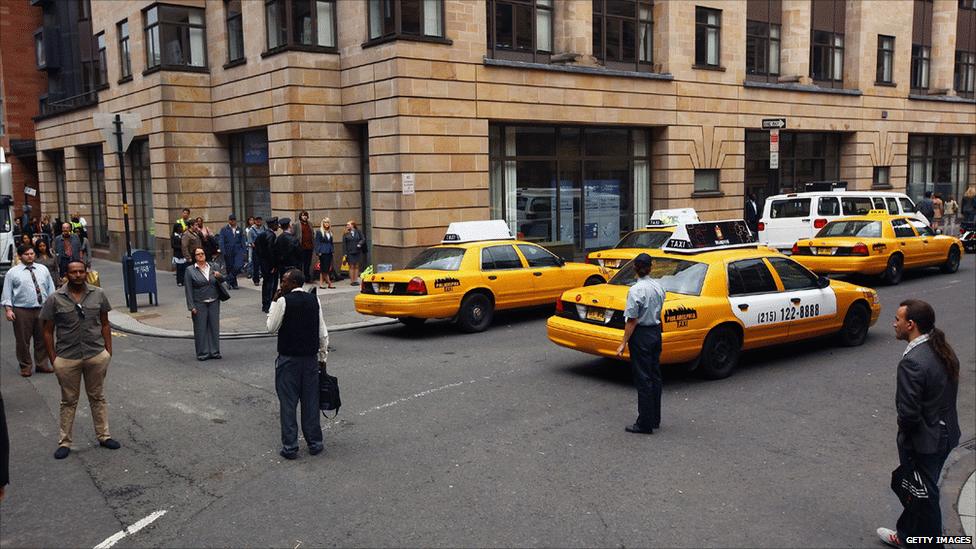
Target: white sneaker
889, 537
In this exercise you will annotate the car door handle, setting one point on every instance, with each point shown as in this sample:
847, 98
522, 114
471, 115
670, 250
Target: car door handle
805, 220
537, 274
795, 300
925, 242
902, 243
743, 306
492, 277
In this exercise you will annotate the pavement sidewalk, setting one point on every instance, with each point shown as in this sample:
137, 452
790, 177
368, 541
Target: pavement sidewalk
240, 317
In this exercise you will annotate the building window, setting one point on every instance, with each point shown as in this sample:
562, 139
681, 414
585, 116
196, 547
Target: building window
520, 29
882, 177
40, 54
250, 180
144, 228
3, 130
622, 33
235, 31
762, 48
967, 4
804, 157
965, 74
886, 59
827, 57
60, 185
125, 61
98, 224
101, 62
308, 25
84, 10
176, 37
389, 19
920, 67
938, 163
706, 181
569, 188
708, 37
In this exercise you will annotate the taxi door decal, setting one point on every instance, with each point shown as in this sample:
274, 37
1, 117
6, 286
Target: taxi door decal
759, 309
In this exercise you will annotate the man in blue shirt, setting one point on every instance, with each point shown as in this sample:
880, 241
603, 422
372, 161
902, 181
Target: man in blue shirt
645, 299
25, 289
231, 243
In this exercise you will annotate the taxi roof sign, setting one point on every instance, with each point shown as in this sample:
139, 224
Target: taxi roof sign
671, 217
710, 235
473, 231
879, 212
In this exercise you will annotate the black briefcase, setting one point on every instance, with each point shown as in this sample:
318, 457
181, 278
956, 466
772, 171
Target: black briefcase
329, 399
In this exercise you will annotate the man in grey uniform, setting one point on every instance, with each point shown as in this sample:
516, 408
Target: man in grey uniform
645, 299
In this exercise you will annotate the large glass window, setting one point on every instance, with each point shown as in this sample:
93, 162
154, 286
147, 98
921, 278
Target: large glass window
60, 185
176, 37
622, 33
101, 62
827, 57
920, 67
406, 18
886, 59
569, 187
965, 74
804, 157
520, 29
762, 48
938, 163
125, 61
235, 30
141, 212
300, 24
40, 52
98, 223
249, 174
708, 36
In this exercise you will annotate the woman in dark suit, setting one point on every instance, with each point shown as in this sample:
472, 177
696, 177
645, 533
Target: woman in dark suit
324, 248
200, 284
353, 243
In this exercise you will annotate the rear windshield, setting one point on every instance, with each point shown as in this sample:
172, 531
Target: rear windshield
792, 207
644, 239
674, 275
863, 229
438, 259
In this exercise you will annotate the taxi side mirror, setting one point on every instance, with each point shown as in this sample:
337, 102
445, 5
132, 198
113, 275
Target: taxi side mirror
823, 282
561, 261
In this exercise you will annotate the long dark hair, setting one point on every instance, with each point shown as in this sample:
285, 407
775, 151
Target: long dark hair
923, 315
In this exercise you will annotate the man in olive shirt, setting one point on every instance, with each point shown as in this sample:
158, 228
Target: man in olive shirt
79, 312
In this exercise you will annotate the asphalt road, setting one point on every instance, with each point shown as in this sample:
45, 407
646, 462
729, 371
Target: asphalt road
493, 439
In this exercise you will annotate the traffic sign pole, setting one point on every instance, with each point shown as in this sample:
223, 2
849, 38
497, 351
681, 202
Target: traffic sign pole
127, 266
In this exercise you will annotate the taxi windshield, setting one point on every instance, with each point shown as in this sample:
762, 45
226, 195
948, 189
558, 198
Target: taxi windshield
644, 239
674, 275
860, 228
438, 259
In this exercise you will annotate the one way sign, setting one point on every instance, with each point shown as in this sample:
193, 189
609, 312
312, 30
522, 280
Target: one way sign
773, 123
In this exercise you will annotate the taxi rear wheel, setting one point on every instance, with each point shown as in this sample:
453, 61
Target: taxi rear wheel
593, 281
951, 264
475, 313
856, 324
894, 270
720, 353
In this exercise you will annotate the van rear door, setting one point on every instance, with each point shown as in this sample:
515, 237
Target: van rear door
787, 221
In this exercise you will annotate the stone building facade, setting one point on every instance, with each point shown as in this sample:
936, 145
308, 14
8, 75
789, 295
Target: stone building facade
571, 119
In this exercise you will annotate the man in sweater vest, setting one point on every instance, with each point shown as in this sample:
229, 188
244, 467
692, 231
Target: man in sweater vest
303, 342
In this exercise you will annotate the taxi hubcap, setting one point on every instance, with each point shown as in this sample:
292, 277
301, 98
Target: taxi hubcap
476, 313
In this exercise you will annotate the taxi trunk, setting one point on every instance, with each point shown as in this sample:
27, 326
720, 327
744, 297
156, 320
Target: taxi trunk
842, 254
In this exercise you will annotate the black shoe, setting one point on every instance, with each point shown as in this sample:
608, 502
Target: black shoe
202, 358
635, 428
110, 443
316, 450
62, 452
288, 455
217, 356
263, 310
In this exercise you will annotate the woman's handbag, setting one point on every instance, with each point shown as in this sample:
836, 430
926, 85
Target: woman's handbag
223, 291
328, 392
93, 279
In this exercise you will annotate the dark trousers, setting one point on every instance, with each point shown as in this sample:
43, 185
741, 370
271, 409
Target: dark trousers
924, 517
645, 360
206, 329
233, 261
180, 272
307, 264
28, 329
297, 380
268, 286
256, 269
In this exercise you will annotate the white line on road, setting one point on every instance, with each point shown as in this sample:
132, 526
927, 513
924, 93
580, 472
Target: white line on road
139, 525
427, 392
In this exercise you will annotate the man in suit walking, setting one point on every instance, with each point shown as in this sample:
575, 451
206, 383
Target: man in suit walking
928, 422
230, 239
264, 250
288, 251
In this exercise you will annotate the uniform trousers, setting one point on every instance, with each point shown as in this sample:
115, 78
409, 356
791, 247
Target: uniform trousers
28, 325
206, 329
269, 285
70, 373
297, 380
645, 360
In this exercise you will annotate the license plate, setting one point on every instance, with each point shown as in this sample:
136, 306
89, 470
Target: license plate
825, 251
383, 288
595, 313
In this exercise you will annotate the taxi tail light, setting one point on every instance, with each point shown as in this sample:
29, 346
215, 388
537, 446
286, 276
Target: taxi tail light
417, 286
761, 226
559, 306
819, 223
796, 248
860, 249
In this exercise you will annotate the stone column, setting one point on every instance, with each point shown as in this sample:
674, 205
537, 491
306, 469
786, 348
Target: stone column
944, 14
573, 30
795, 53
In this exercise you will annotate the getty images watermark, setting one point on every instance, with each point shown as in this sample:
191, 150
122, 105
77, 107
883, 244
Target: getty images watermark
939, 540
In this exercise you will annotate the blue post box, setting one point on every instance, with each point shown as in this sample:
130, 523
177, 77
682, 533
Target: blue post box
143, 267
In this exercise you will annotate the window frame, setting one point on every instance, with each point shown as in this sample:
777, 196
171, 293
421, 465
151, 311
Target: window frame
832, 49
885, 52
40, 47
706, 27
398, 33
709, 172
228, 21
876, 181
788, 263
921, 59
964, 69
641, 25
494, 267
159, 24
534, 55
734, 265
100, 66
896, 223
767, 41
285, 10
125, 54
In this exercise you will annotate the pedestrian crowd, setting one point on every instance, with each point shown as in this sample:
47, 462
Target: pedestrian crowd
946, 214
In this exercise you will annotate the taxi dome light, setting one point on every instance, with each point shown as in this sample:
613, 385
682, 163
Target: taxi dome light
819, 223
860, 249
417, 286
473, 231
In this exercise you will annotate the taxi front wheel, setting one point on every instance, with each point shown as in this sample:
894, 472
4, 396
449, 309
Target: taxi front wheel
856, 324
720, 353
475, 313
951, 264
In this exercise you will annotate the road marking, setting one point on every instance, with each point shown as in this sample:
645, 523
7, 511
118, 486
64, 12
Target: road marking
428, 392
139, 525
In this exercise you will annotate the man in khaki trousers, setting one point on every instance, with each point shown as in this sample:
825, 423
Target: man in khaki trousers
79, 314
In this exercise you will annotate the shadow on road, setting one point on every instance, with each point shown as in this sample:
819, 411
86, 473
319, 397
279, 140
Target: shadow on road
433, 329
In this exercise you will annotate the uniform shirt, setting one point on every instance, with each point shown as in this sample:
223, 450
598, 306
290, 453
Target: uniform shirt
77, 326
18, 287
645, 299
277, 313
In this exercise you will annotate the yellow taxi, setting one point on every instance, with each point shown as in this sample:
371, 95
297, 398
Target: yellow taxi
477, 269
724, 294
878, 244
657, 232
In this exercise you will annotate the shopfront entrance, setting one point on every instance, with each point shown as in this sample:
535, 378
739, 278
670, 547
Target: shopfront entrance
803, 157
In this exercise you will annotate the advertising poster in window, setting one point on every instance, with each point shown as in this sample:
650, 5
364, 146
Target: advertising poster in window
602, 203
255, 148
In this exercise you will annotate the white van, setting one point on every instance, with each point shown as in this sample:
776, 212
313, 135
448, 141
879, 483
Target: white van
787, 218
